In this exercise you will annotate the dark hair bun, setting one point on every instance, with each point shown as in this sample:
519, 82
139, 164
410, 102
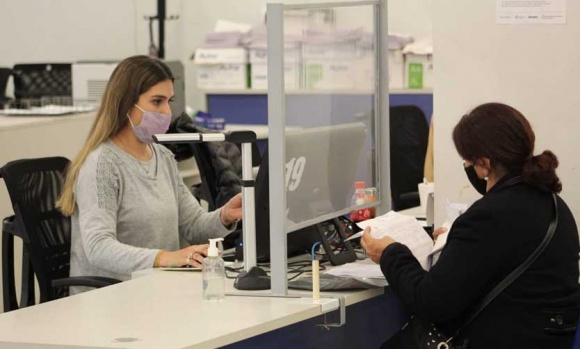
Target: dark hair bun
540, 172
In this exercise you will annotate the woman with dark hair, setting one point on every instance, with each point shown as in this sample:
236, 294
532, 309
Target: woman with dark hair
128, 205
495, 235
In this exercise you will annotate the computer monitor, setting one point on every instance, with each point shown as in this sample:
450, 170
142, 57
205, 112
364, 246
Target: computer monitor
320, 176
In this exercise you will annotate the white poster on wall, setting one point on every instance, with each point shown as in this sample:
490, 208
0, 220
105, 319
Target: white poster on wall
530, 11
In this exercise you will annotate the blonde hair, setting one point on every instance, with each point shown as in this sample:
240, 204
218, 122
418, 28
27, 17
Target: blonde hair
131, 78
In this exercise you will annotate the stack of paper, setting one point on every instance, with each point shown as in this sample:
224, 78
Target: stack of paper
404, 229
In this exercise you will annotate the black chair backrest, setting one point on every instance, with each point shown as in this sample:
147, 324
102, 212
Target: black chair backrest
4, 76
34, 185
409, 134
207, 189
219, 163
33, 81
220, 169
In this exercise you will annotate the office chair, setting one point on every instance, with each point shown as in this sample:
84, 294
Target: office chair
220, 169
409, 134
35, 81
34, 186
219, 163
4, 76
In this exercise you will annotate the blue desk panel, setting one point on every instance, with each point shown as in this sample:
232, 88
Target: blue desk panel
239, 109
423, 101
368, 325
253, 108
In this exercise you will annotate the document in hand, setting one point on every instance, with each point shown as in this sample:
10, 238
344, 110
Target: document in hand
403, 229
453, 210
364, 271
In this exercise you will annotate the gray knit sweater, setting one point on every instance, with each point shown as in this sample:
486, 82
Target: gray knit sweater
125, 215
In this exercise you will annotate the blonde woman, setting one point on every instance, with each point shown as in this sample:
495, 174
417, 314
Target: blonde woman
127, 203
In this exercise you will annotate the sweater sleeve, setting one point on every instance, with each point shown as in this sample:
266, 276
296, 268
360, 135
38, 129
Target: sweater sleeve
97, 193
465, 272
196, 225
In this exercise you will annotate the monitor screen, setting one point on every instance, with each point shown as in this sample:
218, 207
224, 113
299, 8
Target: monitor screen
320, 178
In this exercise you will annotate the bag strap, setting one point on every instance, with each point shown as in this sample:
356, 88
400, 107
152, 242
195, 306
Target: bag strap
516, 272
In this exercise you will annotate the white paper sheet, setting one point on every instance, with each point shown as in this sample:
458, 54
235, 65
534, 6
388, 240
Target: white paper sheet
404, 229
358, 270
453, 210
530, 11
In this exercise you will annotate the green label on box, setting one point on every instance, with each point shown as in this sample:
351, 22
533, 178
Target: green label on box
313, 75
415, 75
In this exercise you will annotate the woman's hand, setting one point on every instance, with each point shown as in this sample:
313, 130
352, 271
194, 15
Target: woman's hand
438, 231
232, 211
189, 256
374, 247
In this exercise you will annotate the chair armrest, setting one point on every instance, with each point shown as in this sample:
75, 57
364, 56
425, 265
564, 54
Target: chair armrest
410, 196
8, 225
408, 200
88, 281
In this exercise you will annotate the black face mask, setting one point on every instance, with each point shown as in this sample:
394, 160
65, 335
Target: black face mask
479, 184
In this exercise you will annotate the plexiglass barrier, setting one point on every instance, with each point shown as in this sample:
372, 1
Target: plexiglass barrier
327, 123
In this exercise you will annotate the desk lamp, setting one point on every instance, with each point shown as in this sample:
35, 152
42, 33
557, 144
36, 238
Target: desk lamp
252, 278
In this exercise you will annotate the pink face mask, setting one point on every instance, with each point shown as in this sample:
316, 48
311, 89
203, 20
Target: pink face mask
151, 124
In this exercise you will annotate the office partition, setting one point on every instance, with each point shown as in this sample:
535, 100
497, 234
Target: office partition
312, 171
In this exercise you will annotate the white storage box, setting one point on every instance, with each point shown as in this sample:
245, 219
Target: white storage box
418, 71
419, 65
396, 42
396, 69
365, 70
259, 68
365, 64
222, 68
329, 66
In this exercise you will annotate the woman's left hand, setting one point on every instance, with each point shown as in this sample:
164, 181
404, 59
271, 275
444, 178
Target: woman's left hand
374, 247
232, 211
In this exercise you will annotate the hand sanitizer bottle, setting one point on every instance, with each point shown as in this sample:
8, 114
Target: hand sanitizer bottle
213, 273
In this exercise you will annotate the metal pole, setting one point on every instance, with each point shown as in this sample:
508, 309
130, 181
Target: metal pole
161, 22
277, 148
382, 133
248, 205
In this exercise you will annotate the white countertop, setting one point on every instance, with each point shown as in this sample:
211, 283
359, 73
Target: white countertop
164, 309
12, 122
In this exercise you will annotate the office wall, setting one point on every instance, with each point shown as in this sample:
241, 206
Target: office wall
71, 30
531, 67
65, 30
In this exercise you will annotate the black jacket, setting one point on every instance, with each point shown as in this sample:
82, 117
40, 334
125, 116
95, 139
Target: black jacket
494, 236
219, 163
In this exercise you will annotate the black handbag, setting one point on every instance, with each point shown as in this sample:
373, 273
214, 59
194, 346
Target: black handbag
418, 334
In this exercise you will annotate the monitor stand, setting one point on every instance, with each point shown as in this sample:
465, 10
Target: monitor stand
333, 234
252, 280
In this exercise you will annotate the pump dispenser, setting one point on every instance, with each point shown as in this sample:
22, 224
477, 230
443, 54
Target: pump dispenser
213, 273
